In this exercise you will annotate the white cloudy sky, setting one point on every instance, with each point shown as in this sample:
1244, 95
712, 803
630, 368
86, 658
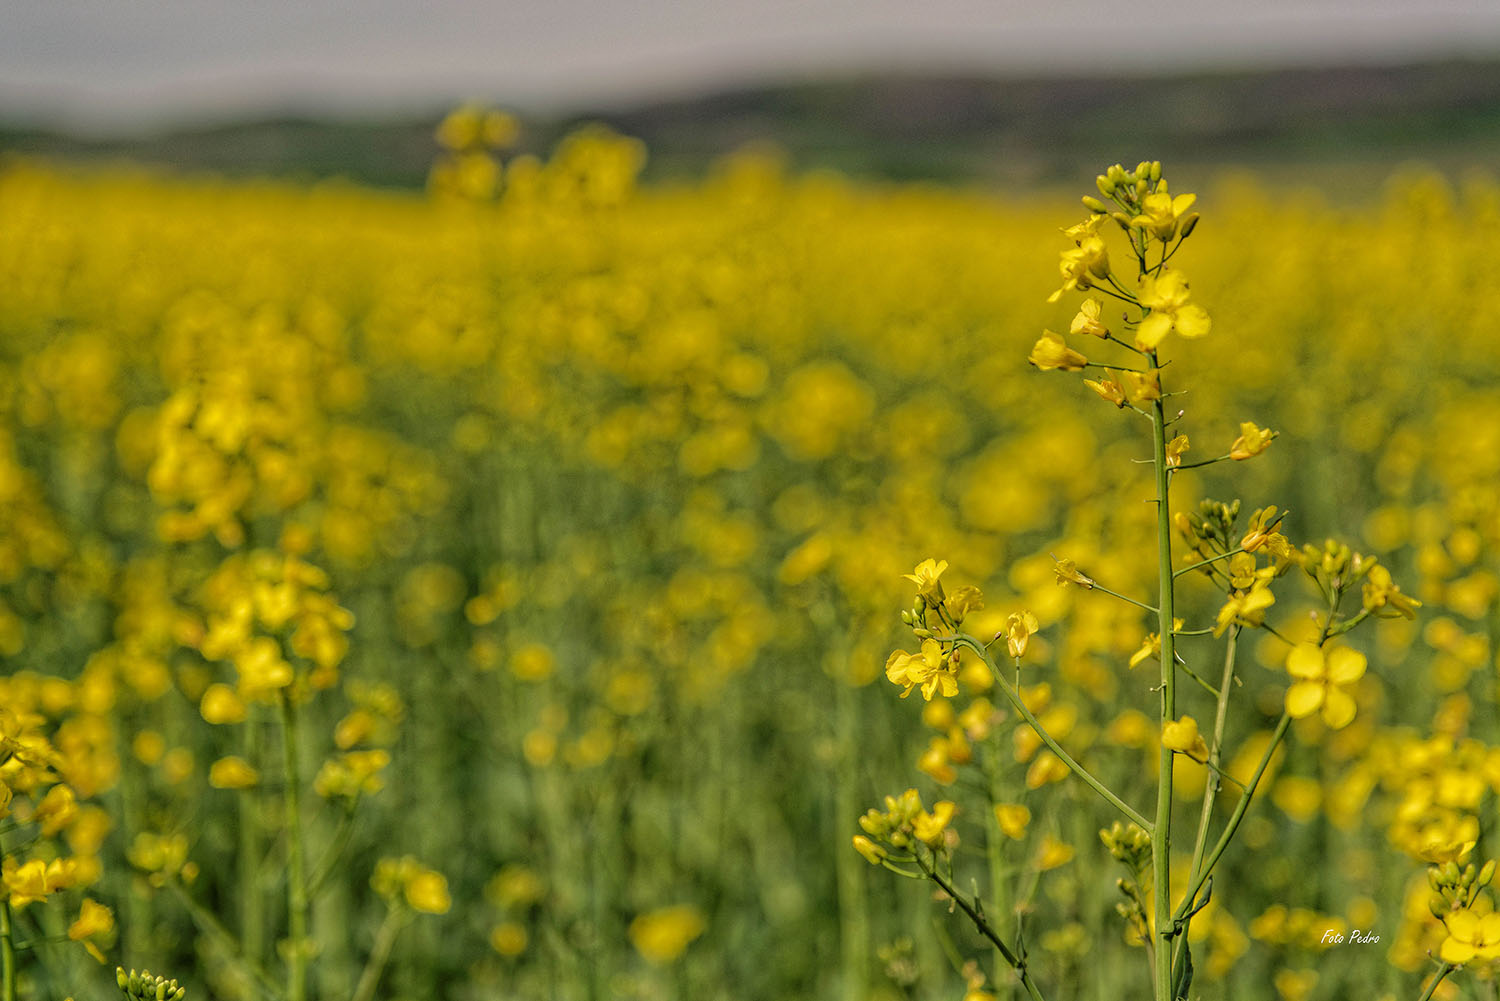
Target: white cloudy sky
119, 63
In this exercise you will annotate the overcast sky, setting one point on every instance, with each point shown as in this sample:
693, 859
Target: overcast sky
105, 64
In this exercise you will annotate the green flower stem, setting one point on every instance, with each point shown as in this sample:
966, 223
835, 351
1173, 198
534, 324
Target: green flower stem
1211, 560
380, 953
1212, 782
298, 909
1015, 700
1442, 975
993, 855
1015, 963
7, 954
211, 925
1096, 586
1235, 817
1161, 833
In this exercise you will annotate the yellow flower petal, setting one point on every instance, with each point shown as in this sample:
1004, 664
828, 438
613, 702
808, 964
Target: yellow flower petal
1304, 698
1153, 330
1345, 665
1305, 662
1338, 708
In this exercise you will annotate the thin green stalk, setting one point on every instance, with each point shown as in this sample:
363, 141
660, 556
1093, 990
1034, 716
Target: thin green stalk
252, 900
7, 954
298, 910
1236, 816
205, 920
1441, 975
1211, 783
1161, 837
380, 953
1015, 963
1083, 773
994, 857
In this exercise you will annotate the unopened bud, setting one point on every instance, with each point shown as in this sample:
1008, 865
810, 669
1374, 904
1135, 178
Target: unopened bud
1122, 219
1487, 873
1106, 186
1189, 223
1435, 879
1155, 171
924, 634
1438, 906
906, 616
1094, 205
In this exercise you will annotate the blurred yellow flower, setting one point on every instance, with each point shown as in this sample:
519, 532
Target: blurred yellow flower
660, 936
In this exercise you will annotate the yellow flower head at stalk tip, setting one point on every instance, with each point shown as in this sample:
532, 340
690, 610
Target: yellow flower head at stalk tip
1246, 609
1067, 572
660, 936
872, 852
1108, 388
963, 600
1321, 675
1161, 213
930, 668
1087, 320
1012, 818
1019, 628
1384, 598
93, 919
1183, 737
1052, 352
1251, 442
1470, 936
1263, 524
925, 576
930, 828
1165, 294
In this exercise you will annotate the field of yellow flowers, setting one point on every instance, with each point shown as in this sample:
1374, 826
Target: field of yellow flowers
487, 594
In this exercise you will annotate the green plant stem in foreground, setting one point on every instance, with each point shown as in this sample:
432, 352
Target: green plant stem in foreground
1017, 964
1016, 703
1161, 833
298, 904
7, 954
1438, 978
380, 953
1211, 783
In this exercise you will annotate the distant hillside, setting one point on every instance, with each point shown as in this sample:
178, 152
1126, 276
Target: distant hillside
1026, 131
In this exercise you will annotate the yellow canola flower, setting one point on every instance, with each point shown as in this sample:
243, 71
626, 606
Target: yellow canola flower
1161, 213
1054, 853
930, 668
929, 828
1384, 598
1470, 937
1176, 448
1019, 628
1251, 442
1321, 676
427, 892
232, 773
660, 936
1052, 352
1013, 819
926, 575
27, 883
93, 919
872, 852
1245, 609
221, 705
1087, 261
1165, 294
1087, 321
1182, 736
